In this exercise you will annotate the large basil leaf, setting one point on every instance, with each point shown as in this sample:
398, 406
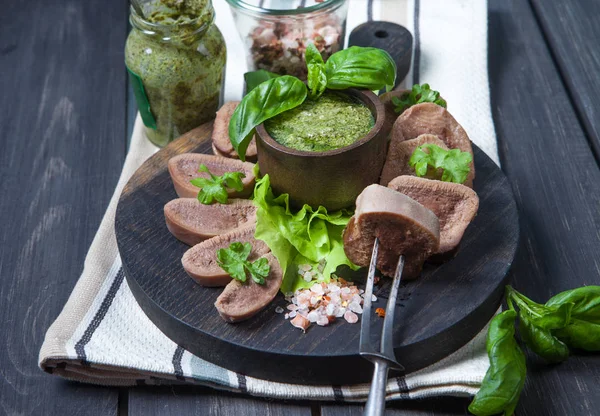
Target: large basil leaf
358, 67
254, 78
268, 99
554, 317
585, 300
504, 380
316, 78
580, 334
541, 341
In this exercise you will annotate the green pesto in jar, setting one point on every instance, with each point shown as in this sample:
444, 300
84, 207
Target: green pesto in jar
179, 56
332, 121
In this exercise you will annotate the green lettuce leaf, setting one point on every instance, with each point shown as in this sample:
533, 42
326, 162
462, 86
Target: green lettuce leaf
302, 237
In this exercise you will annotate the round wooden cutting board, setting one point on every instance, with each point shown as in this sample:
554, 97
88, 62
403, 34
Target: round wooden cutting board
440, 311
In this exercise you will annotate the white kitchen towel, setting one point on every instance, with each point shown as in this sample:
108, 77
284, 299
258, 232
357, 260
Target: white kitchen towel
102, 336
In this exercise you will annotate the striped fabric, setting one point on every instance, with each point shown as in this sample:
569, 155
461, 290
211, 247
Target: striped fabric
102, 336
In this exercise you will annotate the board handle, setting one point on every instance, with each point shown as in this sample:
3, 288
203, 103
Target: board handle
391, 37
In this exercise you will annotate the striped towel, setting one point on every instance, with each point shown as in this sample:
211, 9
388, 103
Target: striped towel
103, 337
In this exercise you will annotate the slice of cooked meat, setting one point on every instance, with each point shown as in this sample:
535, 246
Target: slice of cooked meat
388, 105
184, 168
403, 226
192, 222
240, 301
429, 118
200, 261
220, 136
454, 204
396, 162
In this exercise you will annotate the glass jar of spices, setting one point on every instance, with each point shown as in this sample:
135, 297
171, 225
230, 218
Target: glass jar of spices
175, 57
276, 32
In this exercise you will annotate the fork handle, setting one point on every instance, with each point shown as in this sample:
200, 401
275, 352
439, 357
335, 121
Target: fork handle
376, 402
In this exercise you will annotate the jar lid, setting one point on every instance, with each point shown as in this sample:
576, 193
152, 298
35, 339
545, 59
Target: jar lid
284, 7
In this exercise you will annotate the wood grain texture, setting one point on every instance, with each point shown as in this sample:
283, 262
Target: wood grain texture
572, 31
200, 401
556, 180
442, 310
435, 406
62, 98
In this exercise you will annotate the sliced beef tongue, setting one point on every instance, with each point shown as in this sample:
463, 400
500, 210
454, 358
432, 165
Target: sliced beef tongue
399, 154
240, 301
403, 226
429, 118
200, 261
454, 204
192, 222
184, 168
220, 137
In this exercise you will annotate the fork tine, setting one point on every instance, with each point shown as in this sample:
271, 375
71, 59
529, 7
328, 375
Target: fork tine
387, 338
365, 325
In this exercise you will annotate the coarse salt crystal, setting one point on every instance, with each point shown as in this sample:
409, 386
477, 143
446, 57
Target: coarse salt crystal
340, 312
308, 276
322, 321
292, 314
351, 317
355, 307
373, 298
279, 309
292, 307
330, 309
317, 288
313, 316
333, 287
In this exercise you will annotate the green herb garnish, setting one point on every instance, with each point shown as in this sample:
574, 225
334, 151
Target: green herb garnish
354, 67
418, 94
317, 75
570, 319
454, 163
215, 187
234, 260
255, 78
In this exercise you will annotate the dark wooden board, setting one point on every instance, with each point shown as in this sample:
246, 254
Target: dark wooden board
62, 94
447, 306
555, 178
572, 31
201, 401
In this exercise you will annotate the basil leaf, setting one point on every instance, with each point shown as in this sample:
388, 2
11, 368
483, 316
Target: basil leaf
504, 380
316, 78
268, 99
255, 78
554, 317
585, 300
541, 341
580, 334
358, 67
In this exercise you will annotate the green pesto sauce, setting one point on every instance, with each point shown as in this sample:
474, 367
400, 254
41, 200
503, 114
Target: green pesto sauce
181, 67
174, 11
330, 122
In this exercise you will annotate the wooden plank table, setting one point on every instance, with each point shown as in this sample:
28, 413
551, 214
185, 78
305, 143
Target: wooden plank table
64, 120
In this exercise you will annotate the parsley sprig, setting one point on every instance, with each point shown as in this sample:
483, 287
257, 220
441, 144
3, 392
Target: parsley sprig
234, 260
215, 187
418, 94
428, 158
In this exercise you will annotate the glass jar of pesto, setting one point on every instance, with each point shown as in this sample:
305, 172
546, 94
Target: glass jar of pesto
175, 57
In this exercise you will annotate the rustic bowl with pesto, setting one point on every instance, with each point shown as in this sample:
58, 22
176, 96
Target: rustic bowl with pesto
312, 138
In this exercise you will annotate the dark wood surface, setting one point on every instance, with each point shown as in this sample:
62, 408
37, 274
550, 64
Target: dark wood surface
448, 305
62, 118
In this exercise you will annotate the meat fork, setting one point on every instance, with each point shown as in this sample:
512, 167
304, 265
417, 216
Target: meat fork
384, 357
